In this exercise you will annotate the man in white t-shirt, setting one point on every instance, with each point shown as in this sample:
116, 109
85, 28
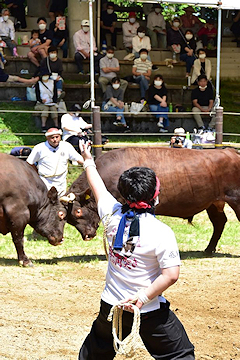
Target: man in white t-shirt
143, 262
52, 158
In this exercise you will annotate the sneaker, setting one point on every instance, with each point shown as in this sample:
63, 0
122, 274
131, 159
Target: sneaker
118, 123
44, 129
81, 73
127, 129
62, 95
155, 68
162, 130
160, 124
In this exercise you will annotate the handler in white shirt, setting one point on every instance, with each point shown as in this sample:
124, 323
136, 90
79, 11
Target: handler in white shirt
129, 29
52, 158
7, 32
156, 26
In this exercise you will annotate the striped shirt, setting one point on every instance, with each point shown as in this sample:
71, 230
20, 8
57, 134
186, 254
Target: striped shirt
142, 66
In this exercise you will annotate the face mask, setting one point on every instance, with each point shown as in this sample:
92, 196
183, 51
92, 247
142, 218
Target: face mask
158, 82
5, 18
157, 10
189, 36
110, 55
202, 56
42, 26
109, 11
116, 86
45, 77
141, 35
143, 56
176, 24
202, 87
53, 56
85, 29
132, 20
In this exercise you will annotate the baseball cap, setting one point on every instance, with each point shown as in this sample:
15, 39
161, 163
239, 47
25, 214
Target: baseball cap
85, 23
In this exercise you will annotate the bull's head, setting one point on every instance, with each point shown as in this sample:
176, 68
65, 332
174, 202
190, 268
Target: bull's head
82, 213
51, 219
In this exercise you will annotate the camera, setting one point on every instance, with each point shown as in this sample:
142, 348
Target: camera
178, 140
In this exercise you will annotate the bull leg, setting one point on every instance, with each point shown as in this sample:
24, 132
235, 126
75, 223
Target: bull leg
18, 240
218, 220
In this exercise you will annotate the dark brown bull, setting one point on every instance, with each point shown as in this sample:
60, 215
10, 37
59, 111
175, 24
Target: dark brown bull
24, 199
191, 181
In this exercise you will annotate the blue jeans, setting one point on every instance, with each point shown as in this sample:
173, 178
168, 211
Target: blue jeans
64, 47
189, 60
144, 84
117, 110
59, 85
159, 108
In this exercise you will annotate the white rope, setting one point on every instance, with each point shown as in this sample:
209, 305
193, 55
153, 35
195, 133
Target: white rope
127, 346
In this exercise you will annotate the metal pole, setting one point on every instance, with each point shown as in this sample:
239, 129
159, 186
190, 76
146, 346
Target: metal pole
219, 125
97, 131
91, 53
218, 57
98, 24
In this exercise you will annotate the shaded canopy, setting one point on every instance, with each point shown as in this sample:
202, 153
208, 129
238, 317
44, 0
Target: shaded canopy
224, 4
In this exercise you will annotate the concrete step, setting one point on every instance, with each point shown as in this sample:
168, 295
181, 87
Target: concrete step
230, 50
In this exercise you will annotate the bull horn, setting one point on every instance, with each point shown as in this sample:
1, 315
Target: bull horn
68, 198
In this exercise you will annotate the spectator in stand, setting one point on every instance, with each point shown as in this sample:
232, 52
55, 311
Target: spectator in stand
129, 29
190, 21
21, 152
113, 102
208, 35
179, 139
175, 37
141, 41
81, 41
46, 93
188, 47
108, 24
141, 70
34, 41
60, 37
55, 68
45, 36
109, 66
7, 32
157, 101
17, 9
13, 78
56, 5
202, 98
156, 27
201, 66
235, 28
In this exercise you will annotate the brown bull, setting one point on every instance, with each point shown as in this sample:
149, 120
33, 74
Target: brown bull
191, 181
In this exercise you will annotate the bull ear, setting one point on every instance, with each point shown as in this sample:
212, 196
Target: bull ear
53, 195
84, 196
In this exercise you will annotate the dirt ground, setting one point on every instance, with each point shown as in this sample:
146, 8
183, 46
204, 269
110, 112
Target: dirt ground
46, 311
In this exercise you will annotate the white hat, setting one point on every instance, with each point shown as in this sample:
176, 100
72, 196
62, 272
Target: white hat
85, 22
179, 131
53, 131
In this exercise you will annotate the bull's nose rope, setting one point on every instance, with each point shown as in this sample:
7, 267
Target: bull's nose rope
127, 346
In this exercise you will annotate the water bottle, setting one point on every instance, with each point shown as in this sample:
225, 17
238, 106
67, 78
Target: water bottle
126, 107
19, 41
187, 135
170, 107
189, 80
174, 56
104, 47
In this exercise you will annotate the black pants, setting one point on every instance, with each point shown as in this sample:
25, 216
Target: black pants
206, 40
19, 14
161, 331
113, 36
79, 61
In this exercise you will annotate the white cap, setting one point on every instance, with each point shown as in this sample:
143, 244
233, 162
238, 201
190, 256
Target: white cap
85, 22
53, 131
179, 131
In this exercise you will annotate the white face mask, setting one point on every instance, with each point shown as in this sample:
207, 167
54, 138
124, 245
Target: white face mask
141, 34
45, 77
158, 82
202, 87
143, 56
116, 86
5, 18
189, 36
109, 11
42, 26
110, 55
52, 56
157, 10
85, 28
132, 20
176, 24
202, 56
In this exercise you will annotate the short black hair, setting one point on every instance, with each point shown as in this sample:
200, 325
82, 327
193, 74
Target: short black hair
41, 18
116, 78
26, 151
143, 50
110, 48
52, 48
198, 51
189, 30
141, 29
110, 3
34, 32
137, 184
200, 77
